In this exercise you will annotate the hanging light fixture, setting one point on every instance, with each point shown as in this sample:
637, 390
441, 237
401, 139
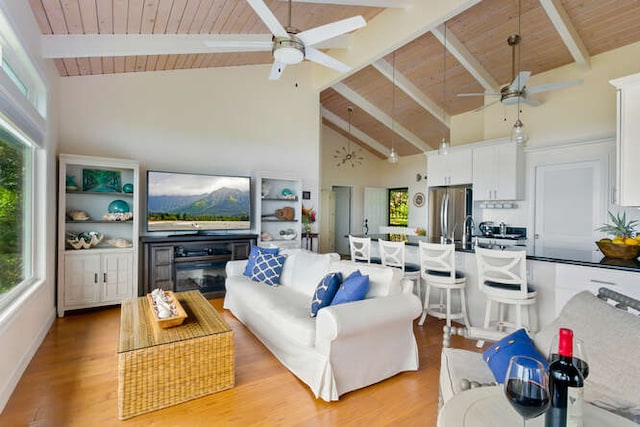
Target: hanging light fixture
347, 156
518, 133
393, 155
444, 145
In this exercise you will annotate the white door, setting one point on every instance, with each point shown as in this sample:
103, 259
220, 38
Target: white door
376, 208
82, 279
327, 239
342, 219
569, 205
117, 277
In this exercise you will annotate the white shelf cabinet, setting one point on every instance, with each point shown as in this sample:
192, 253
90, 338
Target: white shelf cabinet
454, 168
271, 194
498, 172
628, 132
106, 273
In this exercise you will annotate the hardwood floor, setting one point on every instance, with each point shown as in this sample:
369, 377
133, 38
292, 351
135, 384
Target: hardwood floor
72, 381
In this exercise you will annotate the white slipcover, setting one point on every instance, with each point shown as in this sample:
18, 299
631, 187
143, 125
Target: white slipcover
347, 346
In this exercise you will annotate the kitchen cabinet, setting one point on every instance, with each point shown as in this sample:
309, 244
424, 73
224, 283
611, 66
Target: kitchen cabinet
498, 172
97, 195
628, 132
572, 279
453, 168
279, 209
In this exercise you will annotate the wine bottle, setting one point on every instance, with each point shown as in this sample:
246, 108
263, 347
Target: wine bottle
565, 386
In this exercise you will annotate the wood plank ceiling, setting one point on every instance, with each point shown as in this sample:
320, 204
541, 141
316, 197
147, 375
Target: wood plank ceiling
413, 115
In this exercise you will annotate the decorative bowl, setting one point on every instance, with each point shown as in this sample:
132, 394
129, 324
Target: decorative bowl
612, 250
84, 239
289, 236
127, 188
118, 206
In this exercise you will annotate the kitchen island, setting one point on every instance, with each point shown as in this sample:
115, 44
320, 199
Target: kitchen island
556, 277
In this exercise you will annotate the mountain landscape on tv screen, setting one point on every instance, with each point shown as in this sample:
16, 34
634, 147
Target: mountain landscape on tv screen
223, 204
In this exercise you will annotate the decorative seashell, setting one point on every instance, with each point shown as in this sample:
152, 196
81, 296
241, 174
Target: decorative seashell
163, 313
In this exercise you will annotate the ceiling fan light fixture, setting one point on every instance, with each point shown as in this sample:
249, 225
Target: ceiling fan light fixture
288, 51
393, 156
518, 133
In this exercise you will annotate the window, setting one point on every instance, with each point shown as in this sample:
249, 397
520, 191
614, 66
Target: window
16, 156
399, 207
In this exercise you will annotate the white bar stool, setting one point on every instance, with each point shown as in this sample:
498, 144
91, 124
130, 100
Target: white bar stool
502, 277
392, 255
438, 269
360, 248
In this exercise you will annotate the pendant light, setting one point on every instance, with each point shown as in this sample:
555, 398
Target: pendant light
347, 156
443, 149
518, 133
393, 155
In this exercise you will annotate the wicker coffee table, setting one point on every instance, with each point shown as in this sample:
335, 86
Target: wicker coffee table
163, 367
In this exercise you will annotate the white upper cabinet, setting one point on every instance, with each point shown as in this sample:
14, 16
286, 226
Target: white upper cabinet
498, 172
453, 168
628, 134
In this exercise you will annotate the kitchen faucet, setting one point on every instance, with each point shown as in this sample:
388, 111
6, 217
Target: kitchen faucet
467, 230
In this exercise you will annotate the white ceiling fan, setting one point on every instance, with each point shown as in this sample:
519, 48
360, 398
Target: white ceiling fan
291, 46
517, 91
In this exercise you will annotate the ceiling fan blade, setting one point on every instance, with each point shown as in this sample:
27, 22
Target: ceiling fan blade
276, 70
482, 107
479, 94
268, 18
520, 80
329, 31
323, 59
530, 101
239, 42
553, 86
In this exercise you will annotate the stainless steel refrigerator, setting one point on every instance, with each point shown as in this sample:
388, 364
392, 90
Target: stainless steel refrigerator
448, 207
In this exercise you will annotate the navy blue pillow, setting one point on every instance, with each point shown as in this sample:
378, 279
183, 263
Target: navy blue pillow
353, 288
325, 292
255, 251
516, 344
267, 269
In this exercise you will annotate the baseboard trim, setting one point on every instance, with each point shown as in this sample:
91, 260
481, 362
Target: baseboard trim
9, 386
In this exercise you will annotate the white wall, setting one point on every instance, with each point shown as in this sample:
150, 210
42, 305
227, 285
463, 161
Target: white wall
223, 121
24, 326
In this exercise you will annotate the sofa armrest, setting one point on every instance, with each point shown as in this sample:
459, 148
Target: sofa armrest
236, 268
364, 316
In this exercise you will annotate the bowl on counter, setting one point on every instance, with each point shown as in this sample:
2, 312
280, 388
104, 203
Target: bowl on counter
612, 250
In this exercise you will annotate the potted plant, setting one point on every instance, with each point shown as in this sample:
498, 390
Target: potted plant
308, 218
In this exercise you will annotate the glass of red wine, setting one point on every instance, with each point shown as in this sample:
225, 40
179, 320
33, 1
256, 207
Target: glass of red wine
526, 386
580, 358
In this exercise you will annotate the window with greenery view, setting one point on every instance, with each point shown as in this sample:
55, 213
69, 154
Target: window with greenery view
15, 167
399, 207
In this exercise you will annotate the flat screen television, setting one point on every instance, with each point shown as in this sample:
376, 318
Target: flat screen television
178, 202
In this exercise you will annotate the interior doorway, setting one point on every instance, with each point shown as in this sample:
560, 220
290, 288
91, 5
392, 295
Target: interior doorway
342, 218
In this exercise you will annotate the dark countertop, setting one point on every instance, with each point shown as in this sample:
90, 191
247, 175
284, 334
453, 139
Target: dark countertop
562, 256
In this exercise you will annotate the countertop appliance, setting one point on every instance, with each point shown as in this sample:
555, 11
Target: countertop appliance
448, 208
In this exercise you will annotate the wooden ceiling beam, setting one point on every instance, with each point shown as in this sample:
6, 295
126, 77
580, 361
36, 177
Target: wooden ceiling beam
380, 116
404, 84
562, 22
468, 61
389, 4
357, 133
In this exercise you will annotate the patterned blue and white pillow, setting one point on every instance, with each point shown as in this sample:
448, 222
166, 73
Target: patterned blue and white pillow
325, 292
267, 269
255, 251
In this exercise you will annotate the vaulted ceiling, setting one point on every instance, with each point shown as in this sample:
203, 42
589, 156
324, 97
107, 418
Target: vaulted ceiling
415, 115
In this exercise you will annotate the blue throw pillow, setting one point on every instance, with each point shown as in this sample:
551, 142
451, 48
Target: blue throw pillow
267, 269
255, 251
325, 292
516, 344
353, 288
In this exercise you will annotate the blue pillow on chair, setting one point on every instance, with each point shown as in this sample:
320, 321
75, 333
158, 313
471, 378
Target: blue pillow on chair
516, 344
353, 288
325, 292
255, 251
267, 269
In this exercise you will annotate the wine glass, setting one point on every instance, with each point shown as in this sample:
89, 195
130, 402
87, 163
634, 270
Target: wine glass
580, 358
526, 386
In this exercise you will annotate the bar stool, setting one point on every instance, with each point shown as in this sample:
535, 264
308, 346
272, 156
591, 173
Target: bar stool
438, 269
392, 254
502, 277
360, 248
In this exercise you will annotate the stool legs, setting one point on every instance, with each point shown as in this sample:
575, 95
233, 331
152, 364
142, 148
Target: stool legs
425, 305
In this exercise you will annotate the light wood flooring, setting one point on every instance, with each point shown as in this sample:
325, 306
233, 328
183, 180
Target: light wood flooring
72, 381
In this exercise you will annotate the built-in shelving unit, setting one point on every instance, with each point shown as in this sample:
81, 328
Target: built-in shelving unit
279, 210
105, 273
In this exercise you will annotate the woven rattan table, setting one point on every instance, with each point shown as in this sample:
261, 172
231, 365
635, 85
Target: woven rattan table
163, 367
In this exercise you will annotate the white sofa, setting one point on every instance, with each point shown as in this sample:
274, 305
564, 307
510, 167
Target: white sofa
612, 341
347, 346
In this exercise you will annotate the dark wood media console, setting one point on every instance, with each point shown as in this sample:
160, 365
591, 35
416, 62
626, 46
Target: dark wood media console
191, 262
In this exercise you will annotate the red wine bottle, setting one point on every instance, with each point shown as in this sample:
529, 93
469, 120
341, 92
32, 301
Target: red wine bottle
565, 386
